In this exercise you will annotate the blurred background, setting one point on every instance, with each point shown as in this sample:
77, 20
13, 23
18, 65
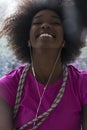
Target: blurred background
8, 61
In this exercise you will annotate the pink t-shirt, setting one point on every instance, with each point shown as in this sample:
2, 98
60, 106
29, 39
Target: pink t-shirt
67, 114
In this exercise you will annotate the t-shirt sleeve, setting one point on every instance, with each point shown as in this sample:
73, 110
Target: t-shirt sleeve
79, 78
83, 88
9, 85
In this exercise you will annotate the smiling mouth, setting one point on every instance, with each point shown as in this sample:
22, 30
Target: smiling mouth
46, 35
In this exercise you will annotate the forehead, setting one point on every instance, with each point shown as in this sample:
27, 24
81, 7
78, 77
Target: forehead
46, 12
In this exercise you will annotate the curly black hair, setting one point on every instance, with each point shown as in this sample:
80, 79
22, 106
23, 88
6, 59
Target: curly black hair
16, 28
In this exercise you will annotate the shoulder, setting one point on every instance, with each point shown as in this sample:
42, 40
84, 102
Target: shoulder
76, 73
15, 72
77, 77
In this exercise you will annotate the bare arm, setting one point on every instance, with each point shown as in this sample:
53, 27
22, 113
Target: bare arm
84, 116
6, 121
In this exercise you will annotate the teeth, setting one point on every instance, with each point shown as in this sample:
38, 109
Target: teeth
45, 35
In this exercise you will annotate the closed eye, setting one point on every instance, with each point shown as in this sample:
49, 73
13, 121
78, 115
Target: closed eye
36, 23
51, 23
56, 23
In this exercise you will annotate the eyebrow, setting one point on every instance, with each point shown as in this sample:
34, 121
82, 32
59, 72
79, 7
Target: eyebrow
53, 16
38, 16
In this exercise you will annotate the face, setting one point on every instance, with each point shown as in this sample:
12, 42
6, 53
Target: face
46, 30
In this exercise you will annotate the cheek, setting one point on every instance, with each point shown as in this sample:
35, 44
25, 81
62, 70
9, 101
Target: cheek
32, 38
60, 34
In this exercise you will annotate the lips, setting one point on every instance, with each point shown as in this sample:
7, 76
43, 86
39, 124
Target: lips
46, 34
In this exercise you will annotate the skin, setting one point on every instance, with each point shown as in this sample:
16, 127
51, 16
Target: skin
44, 53
84, 117
6, 121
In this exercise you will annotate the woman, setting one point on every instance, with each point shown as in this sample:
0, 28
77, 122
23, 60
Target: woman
46, 93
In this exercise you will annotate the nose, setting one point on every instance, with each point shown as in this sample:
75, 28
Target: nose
45, 25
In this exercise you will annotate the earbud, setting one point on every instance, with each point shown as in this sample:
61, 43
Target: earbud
29, 44
63, 44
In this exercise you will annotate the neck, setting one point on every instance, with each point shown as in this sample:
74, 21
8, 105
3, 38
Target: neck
44, 61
